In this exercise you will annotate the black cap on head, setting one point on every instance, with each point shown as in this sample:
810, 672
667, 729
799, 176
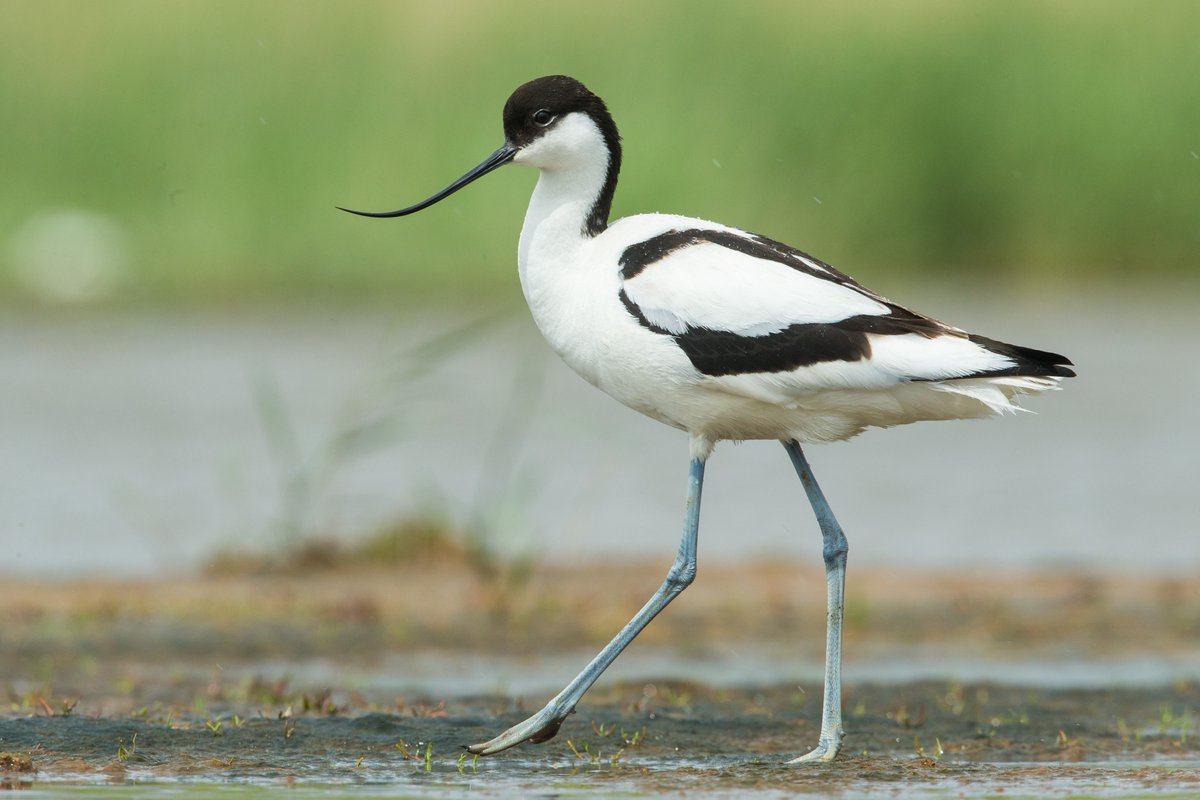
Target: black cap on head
534, 107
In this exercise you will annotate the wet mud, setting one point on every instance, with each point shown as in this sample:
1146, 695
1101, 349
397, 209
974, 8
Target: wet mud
289, 685
655, 738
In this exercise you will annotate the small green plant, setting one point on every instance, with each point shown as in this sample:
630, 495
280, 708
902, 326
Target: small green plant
585, 752
412, 753
635, 738
1169, 721
921, 752
321, 703
601, 731
213, 725
125, 753
1064, 742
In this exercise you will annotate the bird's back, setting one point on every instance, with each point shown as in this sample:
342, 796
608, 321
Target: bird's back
717, 330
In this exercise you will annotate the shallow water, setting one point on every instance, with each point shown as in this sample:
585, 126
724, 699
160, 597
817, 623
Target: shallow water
138, 443
423, 673
977, 740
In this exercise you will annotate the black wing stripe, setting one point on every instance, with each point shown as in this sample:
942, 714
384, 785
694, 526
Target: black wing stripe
715, 353
719, 352
637, 257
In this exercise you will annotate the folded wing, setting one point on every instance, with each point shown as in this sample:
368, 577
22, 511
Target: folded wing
774, 322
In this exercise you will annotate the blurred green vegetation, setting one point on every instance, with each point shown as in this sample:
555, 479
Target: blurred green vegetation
1031, 143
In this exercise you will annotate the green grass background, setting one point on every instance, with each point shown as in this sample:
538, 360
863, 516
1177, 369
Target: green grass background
1037, 144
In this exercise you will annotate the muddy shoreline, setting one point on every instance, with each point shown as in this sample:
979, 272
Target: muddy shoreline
656, 737
299, 680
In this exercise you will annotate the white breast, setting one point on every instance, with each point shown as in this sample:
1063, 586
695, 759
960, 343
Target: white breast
572, 292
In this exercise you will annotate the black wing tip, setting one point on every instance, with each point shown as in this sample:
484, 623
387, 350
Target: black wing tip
1063, 365
1028, 360
1040, 362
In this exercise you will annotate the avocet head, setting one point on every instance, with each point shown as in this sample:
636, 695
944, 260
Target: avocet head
552, 123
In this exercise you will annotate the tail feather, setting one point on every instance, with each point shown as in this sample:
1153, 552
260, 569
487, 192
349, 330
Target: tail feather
1029, 362
999, 393
1032, 371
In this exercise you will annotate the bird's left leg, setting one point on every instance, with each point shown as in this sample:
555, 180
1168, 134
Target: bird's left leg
543, 725
834, 552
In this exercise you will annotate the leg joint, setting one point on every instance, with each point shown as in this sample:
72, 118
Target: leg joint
835, 549
681, 575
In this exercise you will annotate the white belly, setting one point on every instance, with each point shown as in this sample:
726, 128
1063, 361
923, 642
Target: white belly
573, 290
649, 373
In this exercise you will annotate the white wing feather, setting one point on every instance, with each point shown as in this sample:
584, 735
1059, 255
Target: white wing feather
709, 286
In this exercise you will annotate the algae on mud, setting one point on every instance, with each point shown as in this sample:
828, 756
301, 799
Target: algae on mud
287, 680
698, 740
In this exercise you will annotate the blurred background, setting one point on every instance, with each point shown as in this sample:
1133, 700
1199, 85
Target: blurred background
200, 356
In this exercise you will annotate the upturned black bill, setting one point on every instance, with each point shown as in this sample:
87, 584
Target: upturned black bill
497, 159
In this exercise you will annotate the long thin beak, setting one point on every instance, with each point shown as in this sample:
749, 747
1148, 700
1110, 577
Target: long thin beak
497, 159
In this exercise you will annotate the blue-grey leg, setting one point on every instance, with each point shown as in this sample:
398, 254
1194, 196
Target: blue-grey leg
834, 551
543, 725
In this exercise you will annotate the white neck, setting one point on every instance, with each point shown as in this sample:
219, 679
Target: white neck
573, 160
554, 222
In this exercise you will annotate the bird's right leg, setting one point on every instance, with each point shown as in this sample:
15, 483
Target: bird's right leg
543, 725
834, 551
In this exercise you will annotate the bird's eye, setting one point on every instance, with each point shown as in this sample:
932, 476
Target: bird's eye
542, 117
